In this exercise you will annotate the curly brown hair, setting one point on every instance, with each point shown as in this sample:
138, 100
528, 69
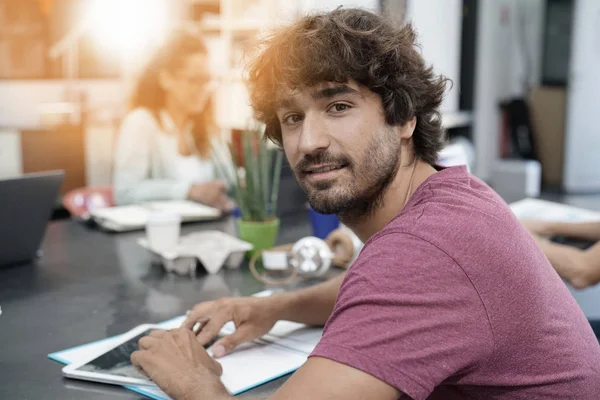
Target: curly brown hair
355, 44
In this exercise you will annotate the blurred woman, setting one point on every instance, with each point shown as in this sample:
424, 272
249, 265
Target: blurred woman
581, 268
166, 143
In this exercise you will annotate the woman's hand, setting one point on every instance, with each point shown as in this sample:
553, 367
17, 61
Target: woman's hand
539, 228
213, 194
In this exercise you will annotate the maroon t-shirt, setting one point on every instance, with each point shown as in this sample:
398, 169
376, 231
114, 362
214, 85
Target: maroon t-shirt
453, 299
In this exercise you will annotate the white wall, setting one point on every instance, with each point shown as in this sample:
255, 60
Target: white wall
582, 147
22, 100
508, 54
325, 5
438, 24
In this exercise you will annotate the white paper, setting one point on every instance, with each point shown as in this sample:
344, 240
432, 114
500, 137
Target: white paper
294, 336
131, 217
550, 211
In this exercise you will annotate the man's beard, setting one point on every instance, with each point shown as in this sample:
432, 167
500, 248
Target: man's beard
363, 194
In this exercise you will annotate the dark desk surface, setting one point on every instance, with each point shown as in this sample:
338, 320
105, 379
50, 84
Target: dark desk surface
90, 285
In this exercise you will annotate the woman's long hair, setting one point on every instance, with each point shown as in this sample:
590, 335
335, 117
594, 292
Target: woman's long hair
149, 94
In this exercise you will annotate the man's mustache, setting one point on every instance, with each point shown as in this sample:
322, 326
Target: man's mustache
311, 160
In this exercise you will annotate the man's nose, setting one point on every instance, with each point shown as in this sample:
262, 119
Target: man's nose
314, 137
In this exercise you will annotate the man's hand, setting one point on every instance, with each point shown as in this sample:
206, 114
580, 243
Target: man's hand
179, 365
213, 194
253, 317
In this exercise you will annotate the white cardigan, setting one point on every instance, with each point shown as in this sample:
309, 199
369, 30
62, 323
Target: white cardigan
146, 154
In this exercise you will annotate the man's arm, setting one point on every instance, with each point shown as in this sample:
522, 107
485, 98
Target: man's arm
311, 306
255, 316
324, 379
321, 378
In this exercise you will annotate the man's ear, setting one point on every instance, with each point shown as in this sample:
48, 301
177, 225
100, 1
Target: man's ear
408, 128
406, 144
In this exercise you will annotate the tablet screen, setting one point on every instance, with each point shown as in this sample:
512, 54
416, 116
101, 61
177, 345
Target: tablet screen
116, 361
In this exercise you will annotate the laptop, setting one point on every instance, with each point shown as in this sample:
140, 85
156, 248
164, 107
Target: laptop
26, 205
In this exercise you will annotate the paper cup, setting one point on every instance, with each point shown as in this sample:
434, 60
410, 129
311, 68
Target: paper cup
163, 230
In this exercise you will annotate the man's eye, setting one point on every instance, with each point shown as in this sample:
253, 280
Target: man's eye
339, 107
292, 119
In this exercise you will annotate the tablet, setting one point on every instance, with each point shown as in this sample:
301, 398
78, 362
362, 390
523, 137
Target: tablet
113, 365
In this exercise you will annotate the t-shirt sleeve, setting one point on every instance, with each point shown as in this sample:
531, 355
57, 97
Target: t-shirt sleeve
407, 314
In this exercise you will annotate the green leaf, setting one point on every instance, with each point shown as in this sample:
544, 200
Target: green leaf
232, 181
234, 156
276, 180
221, 166
252, 179
257, 194
264, 158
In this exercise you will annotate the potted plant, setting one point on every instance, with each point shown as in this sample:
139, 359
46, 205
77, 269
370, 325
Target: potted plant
254, 175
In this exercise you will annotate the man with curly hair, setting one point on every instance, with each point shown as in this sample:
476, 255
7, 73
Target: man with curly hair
450, 297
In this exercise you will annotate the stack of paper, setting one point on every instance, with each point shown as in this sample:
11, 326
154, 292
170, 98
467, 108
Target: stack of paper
127, 218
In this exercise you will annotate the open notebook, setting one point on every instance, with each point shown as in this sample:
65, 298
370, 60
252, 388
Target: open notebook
282, 351
132, 217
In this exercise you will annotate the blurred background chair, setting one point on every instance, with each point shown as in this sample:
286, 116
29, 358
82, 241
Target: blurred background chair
79, 202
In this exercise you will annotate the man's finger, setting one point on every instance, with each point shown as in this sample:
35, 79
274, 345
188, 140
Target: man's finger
209, 331
228, 343
157, 334
198, 326
142, 359
182, 334
147, 342
136, 358
198, 313
189, 342
217, 367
